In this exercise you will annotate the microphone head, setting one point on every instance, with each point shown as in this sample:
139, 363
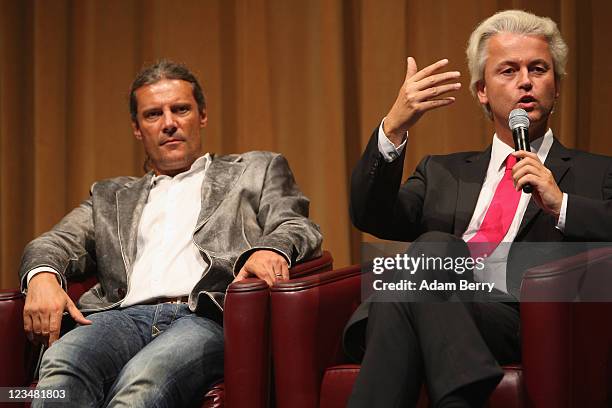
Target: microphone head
518, 118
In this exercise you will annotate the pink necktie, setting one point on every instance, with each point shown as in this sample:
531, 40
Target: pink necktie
499, 216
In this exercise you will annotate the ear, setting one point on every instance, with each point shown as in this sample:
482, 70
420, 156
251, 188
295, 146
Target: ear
481, 92
136, 130
203, 118
557, 88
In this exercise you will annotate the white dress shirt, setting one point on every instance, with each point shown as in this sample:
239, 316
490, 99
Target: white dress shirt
168, 263
495, 264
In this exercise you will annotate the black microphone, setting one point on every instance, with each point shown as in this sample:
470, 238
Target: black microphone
519, 124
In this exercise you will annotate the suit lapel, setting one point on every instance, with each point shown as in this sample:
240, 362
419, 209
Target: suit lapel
558, 161
219, 179
471, 177
130, 202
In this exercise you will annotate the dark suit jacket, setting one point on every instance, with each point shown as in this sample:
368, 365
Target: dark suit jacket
442, 193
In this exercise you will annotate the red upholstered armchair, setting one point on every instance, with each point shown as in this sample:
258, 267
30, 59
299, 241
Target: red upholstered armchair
247, 341
566, 347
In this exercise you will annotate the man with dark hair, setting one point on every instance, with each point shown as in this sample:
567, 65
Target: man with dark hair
164, 248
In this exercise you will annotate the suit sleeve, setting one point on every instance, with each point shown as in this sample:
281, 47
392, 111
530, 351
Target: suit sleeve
589, 218
379, 204
283, 215
67, 248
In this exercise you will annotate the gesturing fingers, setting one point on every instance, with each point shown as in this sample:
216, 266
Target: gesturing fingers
435, 103
428, 70
411, 68
437, 79
422, 91
431, 93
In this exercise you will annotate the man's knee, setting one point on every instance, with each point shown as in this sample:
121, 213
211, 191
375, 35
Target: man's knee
58, 358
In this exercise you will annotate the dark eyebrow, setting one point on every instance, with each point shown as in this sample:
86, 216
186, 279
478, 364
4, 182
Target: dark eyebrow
150, 110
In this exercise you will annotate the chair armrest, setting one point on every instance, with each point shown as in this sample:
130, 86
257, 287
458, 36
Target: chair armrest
321, 264
308, 318
566, 346
246, 328
14, 346
246, 322
18, 357
585, 276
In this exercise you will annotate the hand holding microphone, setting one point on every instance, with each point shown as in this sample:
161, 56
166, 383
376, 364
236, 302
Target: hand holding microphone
530, 172
519, 124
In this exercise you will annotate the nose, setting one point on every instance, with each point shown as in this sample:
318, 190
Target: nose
524, 80
169, 123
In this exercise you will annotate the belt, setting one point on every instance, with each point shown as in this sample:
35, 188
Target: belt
178, 300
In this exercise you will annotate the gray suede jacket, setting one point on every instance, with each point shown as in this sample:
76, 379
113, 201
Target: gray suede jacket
249, 202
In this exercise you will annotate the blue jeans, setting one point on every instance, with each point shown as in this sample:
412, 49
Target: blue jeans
141, 356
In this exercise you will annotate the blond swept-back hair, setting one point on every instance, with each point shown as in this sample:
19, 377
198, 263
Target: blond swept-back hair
518, 22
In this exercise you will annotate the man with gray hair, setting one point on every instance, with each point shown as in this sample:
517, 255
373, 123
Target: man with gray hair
516, 61
164, 247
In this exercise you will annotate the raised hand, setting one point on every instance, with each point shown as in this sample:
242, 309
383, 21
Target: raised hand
421, 92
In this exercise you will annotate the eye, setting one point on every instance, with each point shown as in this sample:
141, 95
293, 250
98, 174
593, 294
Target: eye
540, 69
152, 115
182, 109
507, 71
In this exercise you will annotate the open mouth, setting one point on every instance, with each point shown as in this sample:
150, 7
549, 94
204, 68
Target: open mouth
527, 99
527, 102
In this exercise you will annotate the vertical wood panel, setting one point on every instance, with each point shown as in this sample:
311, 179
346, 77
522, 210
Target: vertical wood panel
81, 106
16, 136
49, 119
601, 78
253, 64
566, 106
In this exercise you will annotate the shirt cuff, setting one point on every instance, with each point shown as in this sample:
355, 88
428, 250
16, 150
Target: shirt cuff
35, 271
561, 222
386, 147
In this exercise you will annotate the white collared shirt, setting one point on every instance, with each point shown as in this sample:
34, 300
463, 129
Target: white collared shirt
495, 265
168, 263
